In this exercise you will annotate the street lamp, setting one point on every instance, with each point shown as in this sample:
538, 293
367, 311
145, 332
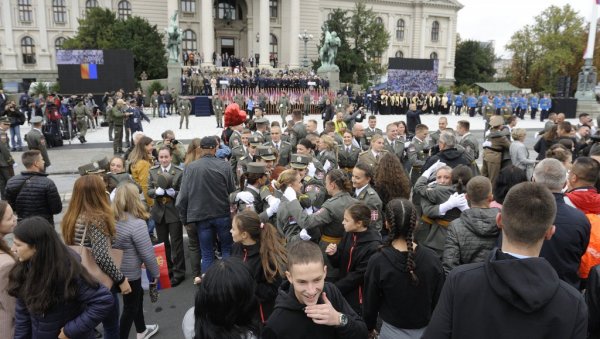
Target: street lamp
306, 38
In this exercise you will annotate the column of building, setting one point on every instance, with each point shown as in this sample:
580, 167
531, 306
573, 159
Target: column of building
42, 54
208, 32
9, 54
294, 32
265, 34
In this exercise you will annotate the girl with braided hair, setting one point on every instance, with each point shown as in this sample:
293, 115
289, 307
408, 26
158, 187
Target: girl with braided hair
402, 282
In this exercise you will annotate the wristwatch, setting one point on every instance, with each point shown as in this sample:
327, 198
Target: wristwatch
343, 320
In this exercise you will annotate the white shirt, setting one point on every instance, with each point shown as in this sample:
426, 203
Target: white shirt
358, 190
166, 169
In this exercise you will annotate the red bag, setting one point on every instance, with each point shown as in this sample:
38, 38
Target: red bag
161, 258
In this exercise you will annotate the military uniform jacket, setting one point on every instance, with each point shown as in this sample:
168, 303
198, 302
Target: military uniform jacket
117, 116
235, 139
266, 135
298, 132
500, 145
435, 137
367, 157
372, 200
328, 218
284, 104
217, 104
315, 190
6, 159
416, 152
471, 145
80, 112
397, 149
324, 156
285, 151
306, 99
348, 159
369, 133
239, 99
286, 222
35, 140
185, 106
164, 205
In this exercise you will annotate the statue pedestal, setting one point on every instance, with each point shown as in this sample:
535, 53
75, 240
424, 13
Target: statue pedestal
174, 76
585, 95
333, 76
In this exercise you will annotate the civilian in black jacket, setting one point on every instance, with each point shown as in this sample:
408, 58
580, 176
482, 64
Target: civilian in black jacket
570, 241
402, 283
514, 294
413, 118
32, 193
307, 306
359, 243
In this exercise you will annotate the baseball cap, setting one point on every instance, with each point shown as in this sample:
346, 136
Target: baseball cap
208, 142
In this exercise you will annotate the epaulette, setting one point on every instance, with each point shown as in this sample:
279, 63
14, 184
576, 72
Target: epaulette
154, 167
363, 152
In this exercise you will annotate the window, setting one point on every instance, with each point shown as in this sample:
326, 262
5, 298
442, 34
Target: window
399, 54
329, 16
377, 57
25, 11
28, 50
189, 41
274, 48
188, 6
273, 6
58, 43
89, 4
435, 31
433, 55
400, 30
59, 11
226, 10
379, 20
124, 10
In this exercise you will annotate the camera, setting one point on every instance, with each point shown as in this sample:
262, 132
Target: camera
174, 142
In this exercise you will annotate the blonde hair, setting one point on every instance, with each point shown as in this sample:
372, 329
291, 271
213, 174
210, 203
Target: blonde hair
328, 141
127, 200
518, 133
286, 178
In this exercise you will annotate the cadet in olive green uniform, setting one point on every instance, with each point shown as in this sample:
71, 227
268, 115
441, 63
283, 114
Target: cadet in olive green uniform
367, 194
261, 129
6, 160
177, 148
218, 108
306, 103
253, 142
35, 139
372, 129
81, 117
470, 143
497, 143
239, 99
347, 157
185, 107
283, 148
165, 214
417, 150
117, 116
283, 106
259, 190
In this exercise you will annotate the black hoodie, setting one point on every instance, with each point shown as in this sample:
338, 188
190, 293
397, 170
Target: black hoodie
288, 320
351, 258
506, 297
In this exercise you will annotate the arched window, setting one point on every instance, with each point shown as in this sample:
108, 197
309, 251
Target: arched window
89, 4
188, 6
58, 43
400, 30
329, 16
124, 10
433, 55
435, 31
25, 11
28, 50
226, 10
273, 8
379, 20
274, 48
59, 11
189, 41
399, 54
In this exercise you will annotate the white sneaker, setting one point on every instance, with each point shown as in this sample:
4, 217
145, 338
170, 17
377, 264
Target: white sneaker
149, 332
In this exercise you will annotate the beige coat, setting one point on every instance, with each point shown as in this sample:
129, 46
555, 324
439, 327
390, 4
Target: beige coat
7, 303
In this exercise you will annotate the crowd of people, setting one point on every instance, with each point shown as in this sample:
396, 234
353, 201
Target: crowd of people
338, 228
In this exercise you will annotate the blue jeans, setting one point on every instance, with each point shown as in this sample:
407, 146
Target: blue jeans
15, 133
111, 322
206, 230
162, 110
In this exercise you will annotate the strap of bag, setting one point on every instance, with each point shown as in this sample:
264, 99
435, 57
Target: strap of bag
82, 239
21, 186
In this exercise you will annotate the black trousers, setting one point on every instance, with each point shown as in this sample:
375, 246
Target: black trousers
172, 235
133, 310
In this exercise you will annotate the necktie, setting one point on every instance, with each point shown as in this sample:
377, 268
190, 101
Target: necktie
277, 146
348, 149
164, 170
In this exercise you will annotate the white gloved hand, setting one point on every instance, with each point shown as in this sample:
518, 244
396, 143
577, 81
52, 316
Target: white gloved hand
327, 166
274, 184
486, 143
308, 210
433, 168
159, 191
171, 192
112, 195
455, 200
463, 206
290, 194
304, 235
273, 206
246, 197
311, 170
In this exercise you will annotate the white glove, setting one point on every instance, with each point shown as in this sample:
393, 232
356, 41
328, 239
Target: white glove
171, 192
246, 197
327, 166
455, 200
112, 195
273, 206
274, 184
433, 168
290, 194
304, 235
308, 210
311, 170
486, 143
159, 191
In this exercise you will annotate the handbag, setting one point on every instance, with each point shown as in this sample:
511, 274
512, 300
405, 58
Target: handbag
88, 261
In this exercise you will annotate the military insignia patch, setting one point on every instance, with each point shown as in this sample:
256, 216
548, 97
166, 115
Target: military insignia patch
374, 215
292, 220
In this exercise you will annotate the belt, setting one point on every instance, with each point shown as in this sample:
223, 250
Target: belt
494, 149
331, 240
430, 221
163, 200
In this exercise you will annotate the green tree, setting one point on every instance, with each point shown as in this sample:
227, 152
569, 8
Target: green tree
551, 47
101, 29
474, 62
363, 41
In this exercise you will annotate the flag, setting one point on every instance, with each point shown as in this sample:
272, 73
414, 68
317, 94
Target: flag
89, 71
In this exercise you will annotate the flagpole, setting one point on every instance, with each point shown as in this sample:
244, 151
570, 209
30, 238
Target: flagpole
589, 51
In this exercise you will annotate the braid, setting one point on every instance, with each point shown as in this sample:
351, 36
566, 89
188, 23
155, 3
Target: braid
410, 260
391, 219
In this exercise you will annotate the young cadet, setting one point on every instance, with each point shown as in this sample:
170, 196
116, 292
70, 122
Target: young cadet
307, 306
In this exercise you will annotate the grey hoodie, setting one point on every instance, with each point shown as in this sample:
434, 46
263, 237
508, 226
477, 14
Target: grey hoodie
470, 237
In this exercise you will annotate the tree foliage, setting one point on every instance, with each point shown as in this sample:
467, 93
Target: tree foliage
363, 41
101, 29
474, 62
549, 48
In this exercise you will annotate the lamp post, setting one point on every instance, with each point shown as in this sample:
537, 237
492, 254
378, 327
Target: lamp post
306, 38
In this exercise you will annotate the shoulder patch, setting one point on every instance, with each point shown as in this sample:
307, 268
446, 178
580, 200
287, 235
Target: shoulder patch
155, 167
374, 215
